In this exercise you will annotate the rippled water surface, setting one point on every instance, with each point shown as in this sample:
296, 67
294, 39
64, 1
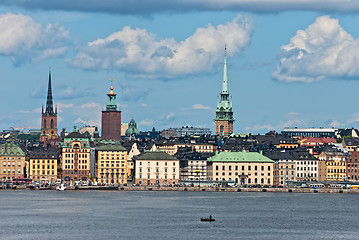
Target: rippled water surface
176, 215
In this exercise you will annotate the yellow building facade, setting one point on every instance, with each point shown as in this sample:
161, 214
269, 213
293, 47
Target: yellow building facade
111, 164
242, 167
43, 165
332, 166
12, 162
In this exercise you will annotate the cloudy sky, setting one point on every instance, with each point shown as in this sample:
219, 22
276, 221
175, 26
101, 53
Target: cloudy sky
290, 63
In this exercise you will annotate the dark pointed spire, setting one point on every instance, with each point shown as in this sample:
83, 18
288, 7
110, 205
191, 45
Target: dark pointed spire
49, 104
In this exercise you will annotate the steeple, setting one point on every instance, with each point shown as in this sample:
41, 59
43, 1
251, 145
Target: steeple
49, 103
225, 82
224, 113
111, 100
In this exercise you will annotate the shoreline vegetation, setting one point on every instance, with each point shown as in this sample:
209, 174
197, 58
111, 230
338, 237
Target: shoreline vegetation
192, 189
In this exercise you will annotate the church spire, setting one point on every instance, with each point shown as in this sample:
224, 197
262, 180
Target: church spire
225, 82
49, 103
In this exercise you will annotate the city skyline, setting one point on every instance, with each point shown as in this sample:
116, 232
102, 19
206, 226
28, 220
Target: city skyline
287, 65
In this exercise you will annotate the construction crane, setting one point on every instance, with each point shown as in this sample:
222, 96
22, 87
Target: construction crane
21, 128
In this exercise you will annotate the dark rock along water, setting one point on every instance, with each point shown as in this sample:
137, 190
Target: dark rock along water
176, 215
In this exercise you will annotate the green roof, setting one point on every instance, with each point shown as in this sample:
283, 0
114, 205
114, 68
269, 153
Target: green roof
111, 147
240, 157
11, 149
156, 156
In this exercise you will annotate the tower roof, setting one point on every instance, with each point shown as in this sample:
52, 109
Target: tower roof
49, 103
225, 82
111, 100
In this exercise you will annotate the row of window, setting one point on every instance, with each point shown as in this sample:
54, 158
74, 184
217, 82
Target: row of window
157, 170
9, 170
236, 168
331, 170
44, 167
157, 163
72, 167
236, 173
72, 150
13, 163
43, 172
158, 177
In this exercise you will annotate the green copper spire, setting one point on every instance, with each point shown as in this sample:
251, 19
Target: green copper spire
225, 82
224, 107
111, 100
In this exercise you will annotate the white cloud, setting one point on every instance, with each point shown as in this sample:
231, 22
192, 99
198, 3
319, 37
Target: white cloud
26, 40
88, 122
144, 105
323, 50
142, 53
147, 122
200, 106
61, 106
36, 110
91, 105
291, 119
158, 6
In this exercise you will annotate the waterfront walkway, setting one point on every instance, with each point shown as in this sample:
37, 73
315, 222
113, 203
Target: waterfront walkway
208, 189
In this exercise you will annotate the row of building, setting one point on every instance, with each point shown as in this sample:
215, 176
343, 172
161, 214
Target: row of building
188, 160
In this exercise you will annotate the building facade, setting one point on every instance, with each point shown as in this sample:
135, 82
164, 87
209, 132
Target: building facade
249, 168
43, 165
49, 117
12, 162
353, 166
224, 114
111, 164
156, 168
75, 159
111, 119
332, 166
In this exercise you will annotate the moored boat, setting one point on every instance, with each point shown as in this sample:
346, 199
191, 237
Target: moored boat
209, 219
61, 187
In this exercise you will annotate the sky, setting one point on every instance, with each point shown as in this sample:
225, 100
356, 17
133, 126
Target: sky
290, 63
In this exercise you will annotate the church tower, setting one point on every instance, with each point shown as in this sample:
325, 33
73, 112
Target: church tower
111, 118
224, 113
49, 117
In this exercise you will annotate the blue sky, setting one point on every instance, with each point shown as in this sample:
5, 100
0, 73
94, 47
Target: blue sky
289, 64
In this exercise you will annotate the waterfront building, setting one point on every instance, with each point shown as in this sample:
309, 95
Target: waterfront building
132, 128
43, 164
111, 118
49, 117
12, 161
185, 132
332, 166
284, 167
111, 164
224, 114
310, 132
242, 167
156, 168
75, 159
307, 165
193, 166
353, 166
132, 152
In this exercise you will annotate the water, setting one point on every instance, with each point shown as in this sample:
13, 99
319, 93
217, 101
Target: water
176, 215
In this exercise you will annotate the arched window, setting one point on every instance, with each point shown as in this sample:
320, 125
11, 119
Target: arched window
52, 123
221, 129
44, 123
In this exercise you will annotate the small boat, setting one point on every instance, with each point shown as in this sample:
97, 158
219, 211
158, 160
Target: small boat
61, 187
209, 219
